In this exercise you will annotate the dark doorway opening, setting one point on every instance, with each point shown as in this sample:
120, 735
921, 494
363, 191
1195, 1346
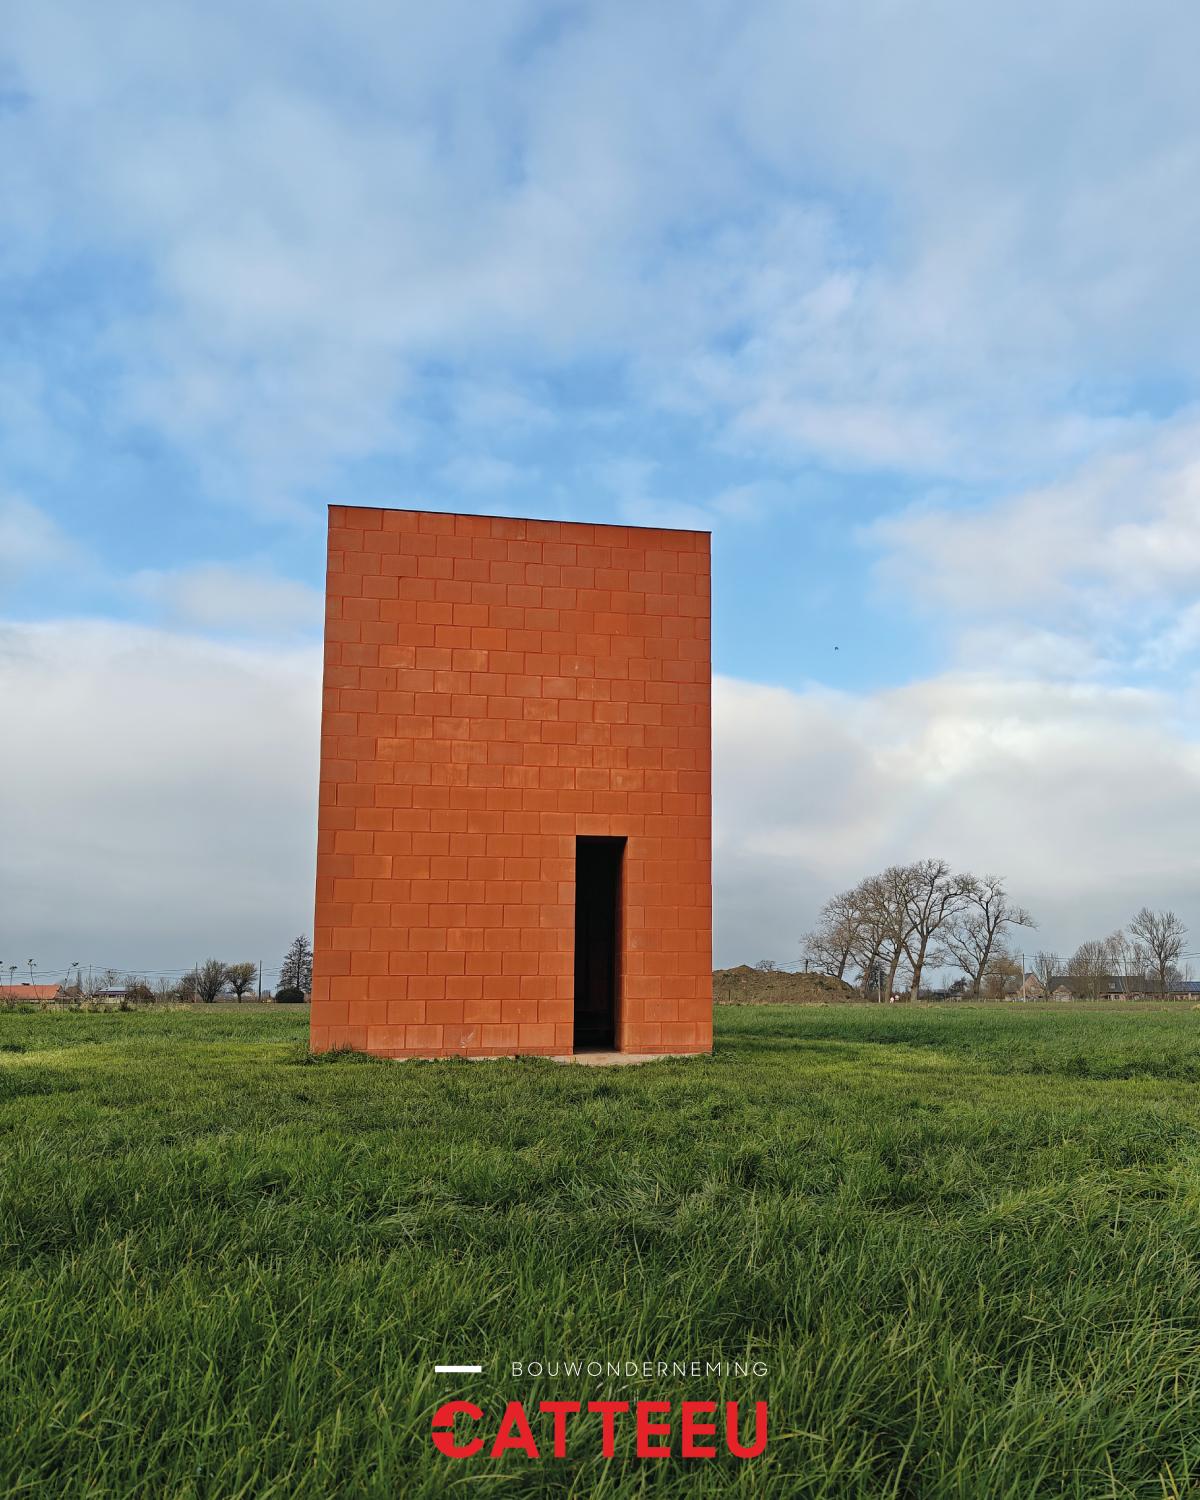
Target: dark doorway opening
597, 941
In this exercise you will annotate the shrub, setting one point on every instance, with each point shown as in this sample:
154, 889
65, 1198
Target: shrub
289, 995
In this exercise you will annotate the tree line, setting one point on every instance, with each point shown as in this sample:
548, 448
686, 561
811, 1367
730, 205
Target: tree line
213, 978
892, 929
207, 982
1145, 958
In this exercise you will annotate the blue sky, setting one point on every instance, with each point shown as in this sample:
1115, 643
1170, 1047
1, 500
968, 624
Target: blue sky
902, 302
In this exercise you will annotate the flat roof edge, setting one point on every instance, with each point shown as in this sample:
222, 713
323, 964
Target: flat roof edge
491, 515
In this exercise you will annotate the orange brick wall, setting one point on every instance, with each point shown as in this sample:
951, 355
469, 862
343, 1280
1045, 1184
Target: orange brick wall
494, 688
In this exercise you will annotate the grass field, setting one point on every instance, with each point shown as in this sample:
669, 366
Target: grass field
966, 1242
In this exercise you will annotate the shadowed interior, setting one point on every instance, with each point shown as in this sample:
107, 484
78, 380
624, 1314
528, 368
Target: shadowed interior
597, 940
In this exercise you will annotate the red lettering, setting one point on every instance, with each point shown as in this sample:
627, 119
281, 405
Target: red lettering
560, 1410
760, 1430
693, 1429
646, 1429
608, 1410
443, 1429
514, 1433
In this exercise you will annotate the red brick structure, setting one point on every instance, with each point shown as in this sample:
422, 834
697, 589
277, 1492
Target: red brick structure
515, 820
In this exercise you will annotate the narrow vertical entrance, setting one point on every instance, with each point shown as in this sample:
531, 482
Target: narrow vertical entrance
597, 941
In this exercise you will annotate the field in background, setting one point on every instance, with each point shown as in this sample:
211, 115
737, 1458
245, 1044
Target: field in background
967, 1243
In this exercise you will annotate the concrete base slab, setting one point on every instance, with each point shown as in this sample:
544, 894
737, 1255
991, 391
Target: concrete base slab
584, 1059
619, 1059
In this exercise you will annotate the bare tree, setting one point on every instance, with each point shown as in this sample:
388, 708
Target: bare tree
830, 945
1127, 961
1047, 967
904, 977
898, 913
870, 942
1003, 975
100, 980
986, 915
820, 955
1163, 936
888, 896
206, 981
241, 977
896, 923
1088, 968
933, 897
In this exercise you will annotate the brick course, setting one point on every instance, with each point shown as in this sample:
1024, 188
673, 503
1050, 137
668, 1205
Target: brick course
493, 689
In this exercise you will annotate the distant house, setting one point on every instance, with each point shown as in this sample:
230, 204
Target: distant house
1013, 987
38, 992
1009, 987
1097, 987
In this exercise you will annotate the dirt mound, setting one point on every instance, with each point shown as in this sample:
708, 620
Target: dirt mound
747, 986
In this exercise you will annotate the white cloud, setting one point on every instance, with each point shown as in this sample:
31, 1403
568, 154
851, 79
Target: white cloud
883, 238
163, 786
1096, 572
218, 597
30, 540
161, 796
1088, 799
1127, 522
943, 240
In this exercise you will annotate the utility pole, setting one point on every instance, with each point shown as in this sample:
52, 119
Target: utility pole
260, 981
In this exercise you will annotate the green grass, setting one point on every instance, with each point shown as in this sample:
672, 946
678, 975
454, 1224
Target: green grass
966, 1242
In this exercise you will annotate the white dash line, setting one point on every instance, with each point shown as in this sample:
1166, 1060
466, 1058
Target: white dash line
458, 1369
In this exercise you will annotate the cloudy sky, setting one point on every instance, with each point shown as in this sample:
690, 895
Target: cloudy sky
902, 302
